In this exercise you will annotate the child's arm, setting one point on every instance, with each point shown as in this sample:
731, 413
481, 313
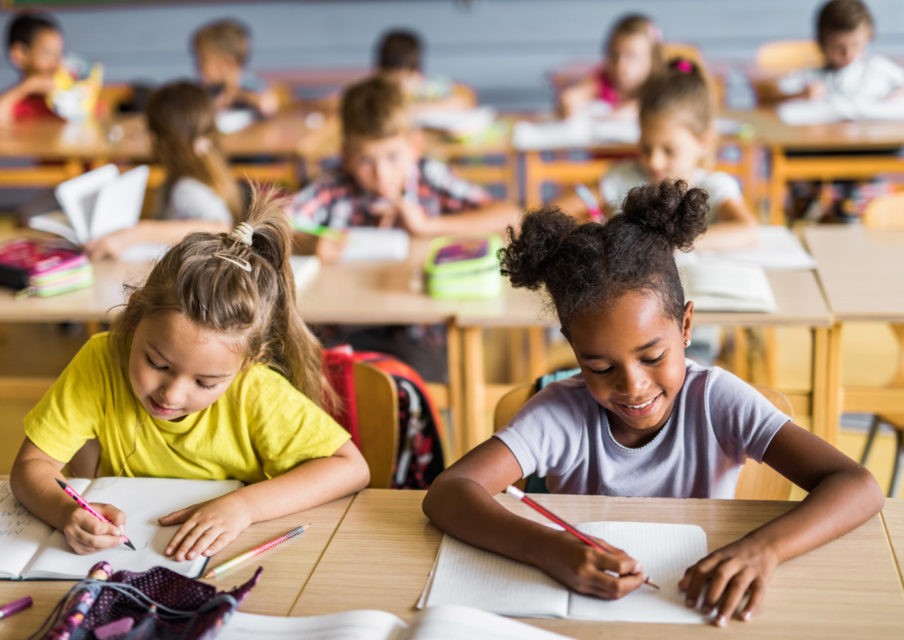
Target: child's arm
577, 97
33, 481
12, 96
265, 102
574, 205
165, 232
461, 503
736, 228
210, 526
842, 496
490, 218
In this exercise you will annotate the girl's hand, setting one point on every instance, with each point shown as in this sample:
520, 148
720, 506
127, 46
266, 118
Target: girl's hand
330, 249
586, 570
87, 534
815, 91
721, 581
206, 527
111, 245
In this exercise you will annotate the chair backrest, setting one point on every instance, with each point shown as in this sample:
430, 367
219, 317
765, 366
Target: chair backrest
782, 56
885, 212
756, 482
377, 401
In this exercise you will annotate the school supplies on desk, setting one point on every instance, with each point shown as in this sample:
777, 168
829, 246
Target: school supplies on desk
458, 124
578, 132
546, 513
776, 248
435, 622
43, 268
84, 504
372, 244
463, 268
816, 112
719, 285
468, 576
31, 549
15, 607
590, 201
222, 569
95, 204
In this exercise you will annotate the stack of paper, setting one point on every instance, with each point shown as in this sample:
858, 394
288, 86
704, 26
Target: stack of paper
813, 112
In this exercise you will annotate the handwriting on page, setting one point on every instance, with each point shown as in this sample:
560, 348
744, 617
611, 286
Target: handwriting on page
14, 518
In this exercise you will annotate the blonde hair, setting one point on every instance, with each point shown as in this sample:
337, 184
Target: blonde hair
245, 291
637, 24
373, 109
180, 114
682, 90
226, 37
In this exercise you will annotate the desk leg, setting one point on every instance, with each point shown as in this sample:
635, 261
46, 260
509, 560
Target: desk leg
777, 185
456, 394
474, 427
533, 179
827, 391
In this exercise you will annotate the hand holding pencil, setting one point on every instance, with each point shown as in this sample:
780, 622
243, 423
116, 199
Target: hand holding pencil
618, 557
78, 536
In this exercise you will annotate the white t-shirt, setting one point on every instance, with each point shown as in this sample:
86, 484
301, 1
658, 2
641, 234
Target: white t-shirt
624, 176
191, 199
717, 421
870, 77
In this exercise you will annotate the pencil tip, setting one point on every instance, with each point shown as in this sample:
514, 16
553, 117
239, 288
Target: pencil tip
129, 544
653, 584
60, 482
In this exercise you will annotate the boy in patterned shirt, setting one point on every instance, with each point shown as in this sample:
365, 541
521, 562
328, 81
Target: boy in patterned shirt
383, 181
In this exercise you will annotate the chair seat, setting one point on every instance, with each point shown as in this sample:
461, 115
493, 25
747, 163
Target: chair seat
893, 420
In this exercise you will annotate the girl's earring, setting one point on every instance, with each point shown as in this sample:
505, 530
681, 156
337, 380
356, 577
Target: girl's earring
687, 343
201, 145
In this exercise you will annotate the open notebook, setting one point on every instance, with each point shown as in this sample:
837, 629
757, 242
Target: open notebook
95, 204
719, 285
815, 112
468, 576
435, 623
31, 549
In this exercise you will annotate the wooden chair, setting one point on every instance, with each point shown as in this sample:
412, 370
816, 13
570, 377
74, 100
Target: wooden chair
887, 212
756, 482
377, 401
782, 56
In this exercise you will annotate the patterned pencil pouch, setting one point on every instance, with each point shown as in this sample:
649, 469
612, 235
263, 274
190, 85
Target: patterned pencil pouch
157, 603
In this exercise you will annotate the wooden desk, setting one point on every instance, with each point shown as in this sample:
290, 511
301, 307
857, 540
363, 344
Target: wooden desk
384, 548
893, 517
860, 271
285, 571
781, 140
800, 303
125, 140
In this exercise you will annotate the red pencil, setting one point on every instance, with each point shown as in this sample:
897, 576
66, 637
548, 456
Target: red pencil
583, 537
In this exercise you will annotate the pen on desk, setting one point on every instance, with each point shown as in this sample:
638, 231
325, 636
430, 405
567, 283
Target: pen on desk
15, 607
593, 206
220, 569
80, 501
583, 537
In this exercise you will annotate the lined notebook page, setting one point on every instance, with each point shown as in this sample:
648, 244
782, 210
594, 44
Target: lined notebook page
665, 550
453, 623
144, 500
469, 576
350, 625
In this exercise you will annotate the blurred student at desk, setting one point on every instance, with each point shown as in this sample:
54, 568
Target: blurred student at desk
34, 46
384, 182
221, 50
399, 56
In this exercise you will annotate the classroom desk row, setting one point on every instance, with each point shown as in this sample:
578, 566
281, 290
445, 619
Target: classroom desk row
376, 549
857, 280
300, 139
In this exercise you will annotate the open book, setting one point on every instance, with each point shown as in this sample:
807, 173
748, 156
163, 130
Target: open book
436, 623
95, 204
469, 576
720, 285
813, 112
32, 549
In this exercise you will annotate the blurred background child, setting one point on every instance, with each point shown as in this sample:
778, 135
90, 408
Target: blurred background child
221, 50
633, 53
34, 46
199, 192
399, 55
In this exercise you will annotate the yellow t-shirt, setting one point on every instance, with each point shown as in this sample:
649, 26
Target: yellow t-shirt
260, 427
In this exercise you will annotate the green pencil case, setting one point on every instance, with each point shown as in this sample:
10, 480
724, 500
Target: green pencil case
463, 268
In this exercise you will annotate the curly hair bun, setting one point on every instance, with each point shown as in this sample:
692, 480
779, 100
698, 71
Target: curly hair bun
670, 210
526, 259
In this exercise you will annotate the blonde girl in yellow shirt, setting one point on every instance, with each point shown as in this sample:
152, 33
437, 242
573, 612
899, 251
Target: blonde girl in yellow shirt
210, 373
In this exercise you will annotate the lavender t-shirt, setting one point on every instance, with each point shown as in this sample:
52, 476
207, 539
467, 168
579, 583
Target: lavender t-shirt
717, 421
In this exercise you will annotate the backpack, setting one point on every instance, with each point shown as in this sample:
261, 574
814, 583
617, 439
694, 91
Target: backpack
419, 458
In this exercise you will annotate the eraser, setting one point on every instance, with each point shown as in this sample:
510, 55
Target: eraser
115, 629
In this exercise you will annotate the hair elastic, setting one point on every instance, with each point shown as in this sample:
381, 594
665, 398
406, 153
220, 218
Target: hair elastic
684, 66
243, 233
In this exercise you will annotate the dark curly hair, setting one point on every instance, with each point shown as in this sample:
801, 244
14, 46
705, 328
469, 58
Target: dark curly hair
585, 266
